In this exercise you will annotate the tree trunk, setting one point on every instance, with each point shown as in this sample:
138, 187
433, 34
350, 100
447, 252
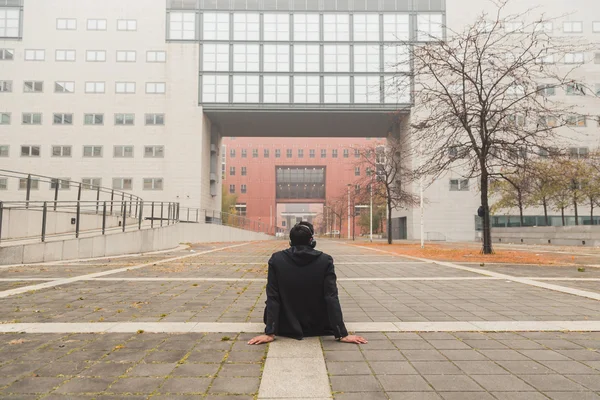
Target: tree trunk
389, 221
592, 212
520, 199
487, 229
576, 211
546, 212
562, 214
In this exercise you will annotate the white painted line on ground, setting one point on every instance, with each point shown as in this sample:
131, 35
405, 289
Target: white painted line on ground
565, 279
378, 262
251, 327
526, 281
443, 278
27, 279
169, 279
295, 369
65, 281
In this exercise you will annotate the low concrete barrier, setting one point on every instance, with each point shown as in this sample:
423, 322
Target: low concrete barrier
141, 241
556, 235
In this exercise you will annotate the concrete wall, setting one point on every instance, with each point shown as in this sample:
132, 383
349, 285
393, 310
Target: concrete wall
557, 235
141, 241
28, 223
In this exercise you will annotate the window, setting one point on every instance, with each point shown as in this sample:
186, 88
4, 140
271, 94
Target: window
6, 86
93, 119
124, 119
232, 171
366, 58
34, 184
10, 22
579, 152
336, 27
254, 153
337, 89
549, 121
216, 26
125, 87
276, 26
91, 183
306, 89
514, 26
64, 87
96, 24
35, 55
156, 56
215, 88
154, 151
396, 27
244, 171
32, 118
368, 171
596, 27
356, 153
61, 151
243, 188
246, 26
461, 185
576, 121
241, 209
30, 151
597, 89
574, 58
311, 153
126, 25
63, 119
336, 58
357, 189
244, 153
182, 26
94, 87
245, 89
245, 57
307, 58
277, 153
122, 183
215, 57
3, 183
156, 87
288, 153
276, 89
232, 189
300, 183
232, 153
356, 171
367, 89
306, 27
546, 90
429, 27
266, 153
126, 56
515, 90
575, 89
545, 59
33, 86
547, 27
66, 24
4, 118
334, 153
366, 27
276, 58
7, 54
61, 183
573, 27
300, 153
123, 152
323, 153
65, 55
153, 183
95, 55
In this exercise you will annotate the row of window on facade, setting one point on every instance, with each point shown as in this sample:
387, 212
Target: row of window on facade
289, 153
571, 89
306, 89
244, 170
86, 183
6, 86
127, 56
243, 189
458, 152
119, 151
303, 27
120, 119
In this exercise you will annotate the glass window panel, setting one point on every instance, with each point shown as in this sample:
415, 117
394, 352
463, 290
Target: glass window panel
246, 26
306, 58
396, 90
246, 89
216, 26
215, 57
182, 25
336, 89
366, 58
366, 27
276, 89
336, 27
245, 57
306, 89
336, 58
276, 57
396, 27
429, 27
367, 89
306, 27
396, 58
9, 22
276, 26
215, 88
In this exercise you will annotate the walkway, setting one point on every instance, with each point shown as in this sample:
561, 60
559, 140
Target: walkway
174, 325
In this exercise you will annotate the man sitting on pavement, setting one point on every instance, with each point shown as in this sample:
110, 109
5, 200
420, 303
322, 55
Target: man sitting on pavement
302, 294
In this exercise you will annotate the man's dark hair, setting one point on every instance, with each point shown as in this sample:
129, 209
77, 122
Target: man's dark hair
301, 234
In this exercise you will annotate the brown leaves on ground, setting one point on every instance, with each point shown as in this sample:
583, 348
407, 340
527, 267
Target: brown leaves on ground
468, 254
17, 341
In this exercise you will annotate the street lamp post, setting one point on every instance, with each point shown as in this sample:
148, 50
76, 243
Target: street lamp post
371, 212
349, 210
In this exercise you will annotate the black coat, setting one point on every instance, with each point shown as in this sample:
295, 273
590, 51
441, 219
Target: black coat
302, 295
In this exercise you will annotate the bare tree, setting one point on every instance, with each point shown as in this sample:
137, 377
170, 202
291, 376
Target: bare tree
388, 175
480, 95
513, 191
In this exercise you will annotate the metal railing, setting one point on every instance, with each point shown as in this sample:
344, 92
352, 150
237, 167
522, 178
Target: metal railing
221, 218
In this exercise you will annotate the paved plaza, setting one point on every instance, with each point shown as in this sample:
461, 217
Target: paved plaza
174, 325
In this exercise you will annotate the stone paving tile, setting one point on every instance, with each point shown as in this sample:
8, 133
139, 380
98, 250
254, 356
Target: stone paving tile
547, 271
590, 286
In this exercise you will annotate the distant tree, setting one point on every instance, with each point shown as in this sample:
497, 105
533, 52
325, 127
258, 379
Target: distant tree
513, 191
228, 202
543, 186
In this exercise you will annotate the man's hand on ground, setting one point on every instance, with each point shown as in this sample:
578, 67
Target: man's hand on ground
261, 339
354, 339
